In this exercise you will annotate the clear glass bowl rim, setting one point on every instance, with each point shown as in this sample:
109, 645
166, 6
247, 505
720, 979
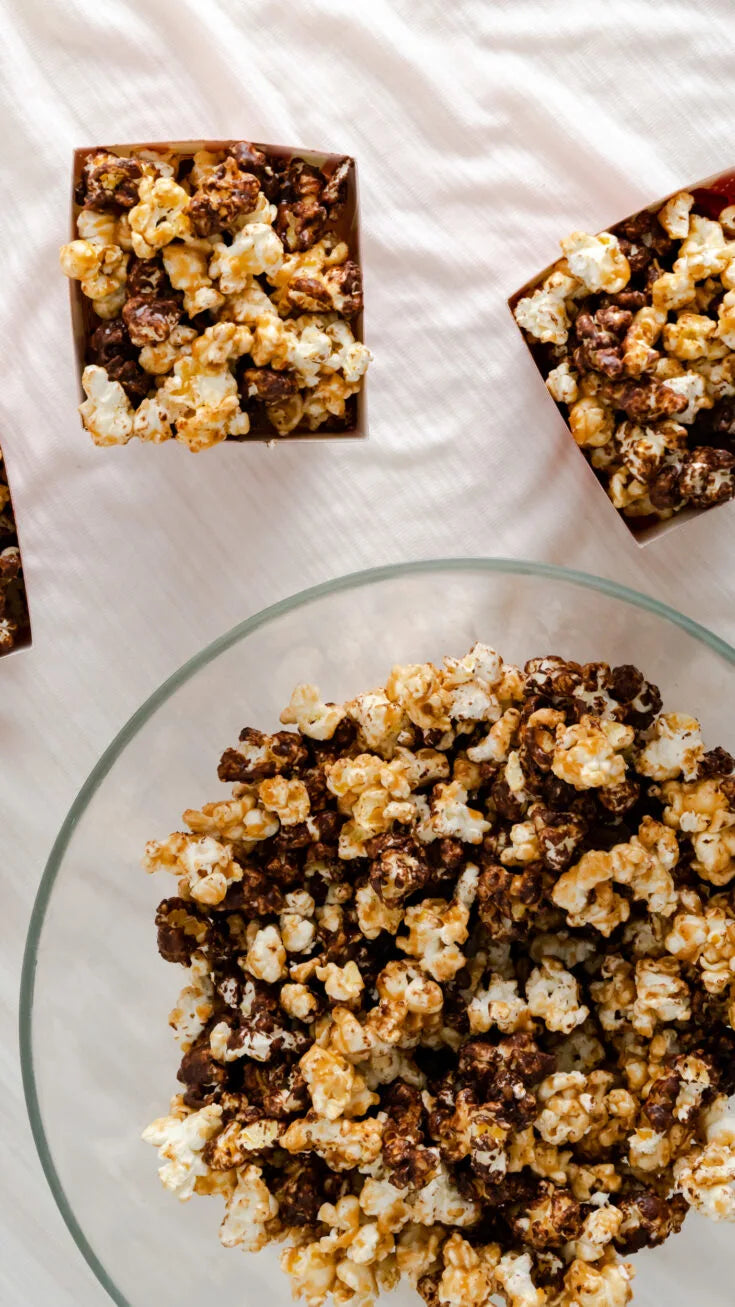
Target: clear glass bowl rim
350, 581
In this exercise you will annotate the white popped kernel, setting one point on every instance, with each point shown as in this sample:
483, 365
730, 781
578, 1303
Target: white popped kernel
195, 1004
674, 215
561, 383
498, 1005
180, 1140
106, 412
597, 261
544, 314
247, 1212
552, 994
312, 717
674, 748
266, 956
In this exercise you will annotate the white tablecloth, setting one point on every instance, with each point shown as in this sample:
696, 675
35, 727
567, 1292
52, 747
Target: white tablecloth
484, 131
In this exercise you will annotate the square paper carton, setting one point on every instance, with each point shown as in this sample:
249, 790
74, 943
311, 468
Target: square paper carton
712, 195
347, 228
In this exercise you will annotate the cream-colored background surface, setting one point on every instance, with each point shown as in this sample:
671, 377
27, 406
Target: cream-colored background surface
484, 130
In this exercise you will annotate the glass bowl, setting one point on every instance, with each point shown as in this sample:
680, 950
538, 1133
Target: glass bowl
98, 1059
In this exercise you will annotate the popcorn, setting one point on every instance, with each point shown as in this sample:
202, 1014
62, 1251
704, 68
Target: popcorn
255, 250
348, 355
247, 306
467, 1278
625, 492
715, 855
187, 267
180, 1139
566, 1108
289, 800
343, 1144
417, 1247
247, 1212
645, 865
649, 349
195, 1006
106, 412
694, 389
687, 338
451, 816
586, 895
224, 197
98, 228
706, 1174
159, 216
297, 930
298, 1001
661, 994
513, 1275
591, 422
374, 915
101, 269
149, 249
300, 344
239, 819
312, 1271
695, 806
704, 249
326, 399
674, 216
343, 984
388, 1039
562, 384
311, 279
726, 319
331, 1082
358, 1256
495, 747
588, 753
648, 323
435, 929
317, 720
204, 866
674, 748
380, 722
406, 986
266, 957
440, 1202
204, 404
544, 314
498, 1005
597, 261
160, 358
674, 290
151, 423
552, 995
586, 1285
524, 845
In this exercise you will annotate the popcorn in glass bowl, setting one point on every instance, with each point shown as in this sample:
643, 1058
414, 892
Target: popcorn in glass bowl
460, 990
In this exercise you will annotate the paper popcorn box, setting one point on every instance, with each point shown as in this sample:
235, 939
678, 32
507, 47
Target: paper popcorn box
712, 195
347, 228
17, 608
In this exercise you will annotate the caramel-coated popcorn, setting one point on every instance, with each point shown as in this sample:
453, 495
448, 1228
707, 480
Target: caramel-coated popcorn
228, 278
460, 957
